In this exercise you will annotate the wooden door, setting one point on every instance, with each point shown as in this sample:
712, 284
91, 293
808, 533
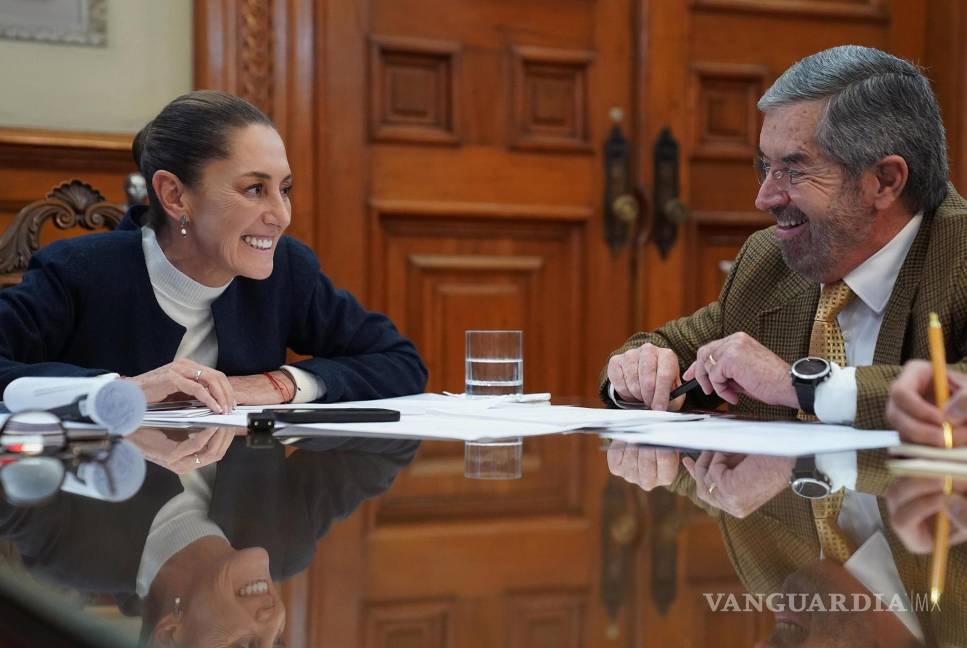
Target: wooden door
464, 180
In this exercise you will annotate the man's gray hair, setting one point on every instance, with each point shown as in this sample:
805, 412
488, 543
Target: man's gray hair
877, 105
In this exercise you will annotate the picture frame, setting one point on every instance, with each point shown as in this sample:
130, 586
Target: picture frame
67, 22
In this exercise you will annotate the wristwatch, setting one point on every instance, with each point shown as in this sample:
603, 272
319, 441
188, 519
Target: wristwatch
808, 481
807, 373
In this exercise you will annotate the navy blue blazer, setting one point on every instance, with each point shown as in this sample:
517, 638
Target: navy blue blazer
86, 307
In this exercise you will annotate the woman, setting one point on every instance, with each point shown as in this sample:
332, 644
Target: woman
200, 293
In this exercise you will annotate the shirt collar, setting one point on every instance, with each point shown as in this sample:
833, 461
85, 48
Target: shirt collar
874, 567
872, 281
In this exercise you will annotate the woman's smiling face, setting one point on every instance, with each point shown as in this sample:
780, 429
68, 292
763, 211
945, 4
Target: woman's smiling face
240, 208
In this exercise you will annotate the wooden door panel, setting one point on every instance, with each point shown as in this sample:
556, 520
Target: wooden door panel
437, 275
714, 240
402, 624
435, 488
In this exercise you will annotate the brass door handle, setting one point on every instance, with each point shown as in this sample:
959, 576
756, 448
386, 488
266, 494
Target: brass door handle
670, 212
622, 203
620, 532
676, 211
626, 208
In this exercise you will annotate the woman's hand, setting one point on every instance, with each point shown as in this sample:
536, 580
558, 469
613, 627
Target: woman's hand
184, 376
170, 449
259, 389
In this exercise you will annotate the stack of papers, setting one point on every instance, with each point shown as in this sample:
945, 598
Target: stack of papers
774, 438
928, 461
437, 416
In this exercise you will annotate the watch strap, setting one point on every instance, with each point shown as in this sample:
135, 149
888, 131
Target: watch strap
806, 394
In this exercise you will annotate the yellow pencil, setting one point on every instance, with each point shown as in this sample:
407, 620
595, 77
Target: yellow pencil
938, 566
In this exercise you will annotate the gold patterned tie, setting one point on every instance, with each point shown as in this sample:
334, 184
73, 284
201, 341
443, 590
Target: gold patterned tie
836, 545
826, 341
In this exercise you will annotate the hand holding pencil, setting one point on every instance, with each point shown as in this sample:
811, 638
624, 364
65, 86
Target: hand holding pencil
912, 411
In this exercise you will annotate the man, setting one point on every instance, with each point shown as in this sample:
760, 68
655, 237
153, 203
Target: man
869, 238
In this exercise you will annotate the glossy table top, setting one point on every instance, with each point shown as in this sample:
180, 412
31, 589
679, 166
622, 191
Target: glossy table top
226, 542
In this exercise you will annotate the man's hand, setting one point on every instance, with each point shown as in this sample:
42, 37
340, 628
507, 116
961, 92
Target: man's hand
738, 365
738, 484
642, 465
647, 374
913, 503
913, 411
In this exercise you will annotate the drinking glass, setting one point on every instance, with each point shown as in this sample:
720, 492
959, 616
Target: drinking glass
494, 363
496, 459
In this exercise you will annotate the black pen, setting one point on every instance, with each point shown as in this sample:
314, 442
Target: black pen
684, 388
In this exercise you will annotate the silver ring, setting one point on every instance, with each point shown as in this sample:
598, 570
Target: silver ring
198, 461
197, 375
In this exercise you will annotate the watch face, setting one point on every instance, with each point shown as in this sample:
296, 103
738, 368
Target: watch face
810, 368
810, 488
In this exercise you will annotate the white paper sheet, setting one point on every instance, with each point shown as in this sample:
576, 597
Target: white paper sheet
435, 416
777, 438
573, 418
440, 427
406, 405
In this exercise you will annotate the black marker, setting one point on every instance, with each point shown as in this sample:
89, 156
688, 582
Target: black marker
684, 388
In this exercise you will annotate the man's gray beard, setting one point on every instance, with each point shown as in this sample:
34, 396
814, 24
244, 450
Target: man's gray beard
821, 248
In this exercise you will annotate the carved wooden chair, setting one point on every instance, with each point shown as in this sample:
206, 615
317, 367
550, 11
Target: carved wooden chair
72, 204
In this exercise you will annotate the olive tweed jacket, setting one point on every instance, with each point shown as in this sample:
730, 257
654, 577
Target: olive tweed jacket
763, 297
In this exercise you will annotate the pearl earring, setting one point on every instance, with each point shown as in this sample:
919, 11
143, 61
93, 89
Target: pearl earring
184, 224
178, 609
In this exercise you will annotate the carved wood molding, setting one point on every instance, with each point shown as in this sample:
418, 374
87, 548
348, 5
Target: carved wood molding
533, 616
429, 623
72, 204
476, 262
413, 90
255, 53
723, 100
45, 148
550, 101
234, 49
872, 10
475, 210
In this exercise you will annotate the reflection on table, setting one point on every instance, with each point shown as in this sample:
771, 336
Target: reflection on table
198, 555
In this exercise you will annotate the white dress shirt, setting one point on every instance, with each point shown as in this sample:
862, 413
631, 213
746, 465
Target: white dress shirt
189, 303
872, 284
872, 565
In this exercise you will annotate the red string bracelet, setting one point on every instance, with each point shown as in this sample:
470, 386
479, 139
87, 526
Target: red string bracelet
279, 387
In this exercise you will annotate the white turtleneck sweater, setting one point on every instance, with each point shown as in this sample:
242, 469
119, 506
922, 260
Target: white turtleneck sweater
184, 519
